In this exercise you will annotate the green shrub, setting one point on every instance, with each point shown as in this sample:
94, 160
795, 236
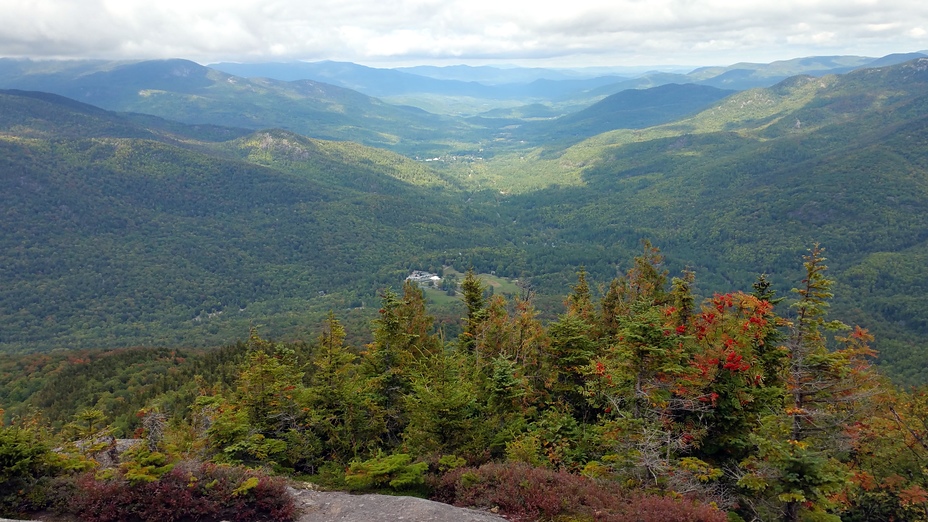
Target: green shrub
395, 471
449, 462
26, 463
142, 465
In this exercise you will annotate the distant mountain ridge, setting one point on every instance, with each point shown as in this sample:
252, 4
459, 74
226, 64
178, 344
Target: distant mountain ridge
628, 109
184, 91
391, 82
515, 83
187, 92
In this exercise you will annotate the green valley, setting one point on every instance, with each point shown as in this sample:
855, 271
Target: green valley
128, 229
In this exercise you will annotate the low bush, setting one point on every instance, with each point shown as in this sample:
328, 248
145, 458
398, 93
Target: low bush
396, 471
190, 491
26, 468
526, 493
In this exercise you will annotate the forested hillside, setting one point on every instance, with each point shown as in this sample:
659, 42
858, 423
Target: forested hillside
837, 160
117, 234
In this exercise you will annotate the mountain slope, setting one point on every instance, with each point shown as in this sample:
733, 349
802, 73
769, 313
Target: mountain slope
40, 114
137, 238
756, 180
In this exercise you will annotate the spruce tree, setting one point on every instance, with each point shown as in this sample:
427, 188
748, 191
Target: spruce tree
802, 451
473, 289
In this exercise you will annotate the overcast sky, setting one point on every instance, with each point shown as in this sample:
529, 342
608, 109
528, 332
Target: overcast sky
443, 32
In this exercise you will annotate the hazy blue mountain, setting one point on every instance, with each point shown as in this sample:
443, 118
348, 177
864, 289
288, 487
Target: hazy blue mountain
390, 82
490, 75
116, 86
749, 75
368, 80
893, 59
502, 74
527, 112
742, 76
628, 109
34, 75
643, 82
811, 65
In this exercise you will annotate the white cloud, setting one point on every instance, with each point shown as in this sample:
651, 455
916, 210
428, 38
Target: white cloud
380, 31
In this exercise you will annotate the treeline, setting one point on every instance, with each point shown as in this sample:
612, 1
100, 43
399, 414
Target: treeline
738, 402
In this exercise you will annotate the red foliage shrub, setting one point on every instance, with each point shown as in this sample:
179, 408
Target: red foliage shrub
525, 493
190, 491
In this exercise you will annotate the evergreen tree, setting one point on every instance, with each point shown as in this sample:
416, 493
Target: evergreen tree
531, 345
443, 407
681, 298
804, 449
647, 278
386, 365
643, 284
613, 306
262, 420
344, 417
570, 352
773, 356
473, 289
417, 325
580, 302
